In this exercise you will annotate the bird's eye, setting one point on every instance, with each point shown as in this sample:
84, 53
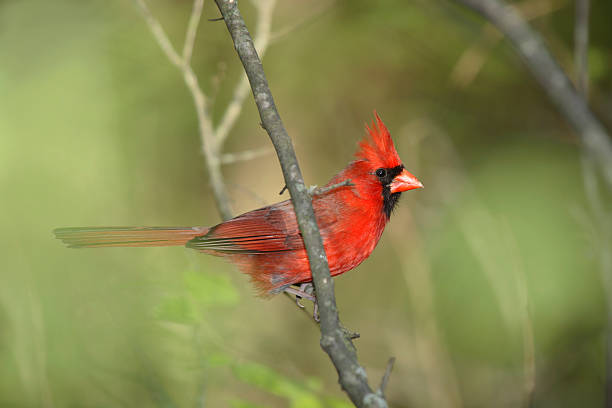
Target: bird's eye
381, 172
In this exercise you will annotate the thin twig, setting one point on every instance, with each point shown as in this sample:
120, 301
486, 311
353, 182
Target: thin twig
315, 190
261, 41
233, 110
246, 155
327, 189
386, 376
192, 30
159, 34
206, 131
209, 147
304, 20
352, 376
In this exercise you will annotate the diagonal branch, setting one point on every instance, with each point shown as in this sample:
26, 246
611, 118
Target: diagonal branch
261, 40
474, 57
205, 126
159, 34
385, 379
596, 142
245, 155
551, 77
602, 218
352, 376
192, 29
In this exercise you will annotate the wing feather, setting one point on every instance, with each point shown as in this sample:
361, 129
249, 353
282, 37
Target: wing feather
267, 230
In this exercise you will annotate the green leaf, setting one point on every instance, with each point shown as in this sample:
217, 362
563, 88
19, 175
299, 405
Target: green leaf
218, 359
177, 309
266, 379
305, 400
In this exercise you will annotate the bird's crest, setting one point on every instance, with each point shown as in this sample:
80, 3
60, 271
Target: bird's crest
377, 146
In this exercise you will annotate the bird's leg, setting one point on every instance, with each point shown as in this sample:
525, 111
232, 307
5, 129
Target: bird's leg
305, 291
300, 294
297, 301
309, 288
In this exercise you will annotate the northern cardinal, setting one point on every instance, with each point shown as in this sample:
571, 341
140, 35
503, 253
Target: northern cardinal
266, 243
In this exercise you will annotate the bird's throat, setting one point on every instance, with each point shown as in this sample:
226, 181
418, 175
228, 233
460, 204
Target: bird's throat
389, 200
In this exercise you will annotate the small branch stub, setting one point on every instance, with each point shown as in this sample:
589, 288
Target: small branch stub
324, 190
386, 376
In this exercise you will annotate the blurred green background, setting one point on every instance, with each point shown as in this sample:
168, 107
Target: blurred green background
485, 283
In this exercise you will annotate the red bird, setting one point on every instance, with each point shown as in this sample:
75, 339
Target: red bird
266, 243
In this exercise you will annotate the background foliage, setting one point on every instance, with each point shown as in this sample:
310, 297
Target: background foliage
488, 272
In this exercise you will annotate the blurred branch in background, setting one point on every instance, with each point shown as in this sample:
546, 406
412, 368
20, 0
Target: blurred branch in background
262, 39
472, 60
602, 218
571, 102
212, 138
492, 243
545, 69
503, 258
599, 222
229, 158
314, 14
529, 363
386, 376
431, 354
334, 341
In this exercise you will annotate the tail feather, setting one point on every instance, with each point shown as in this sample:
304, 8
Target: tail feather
100, 237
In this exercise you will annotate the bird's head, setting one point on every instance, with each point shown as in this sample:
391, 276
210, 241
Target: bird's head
383, 166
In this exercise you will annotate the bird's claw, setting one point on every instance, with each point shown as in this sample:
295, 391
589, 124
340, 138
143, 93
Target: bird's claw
305, 291
309, 288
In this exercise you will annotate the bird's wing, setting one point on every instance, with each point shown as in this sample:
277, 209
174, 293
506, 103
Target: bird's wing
266, 230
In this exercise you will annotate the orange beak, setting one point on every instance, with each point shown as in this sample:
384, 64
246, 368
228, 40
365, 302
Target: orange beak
404, 182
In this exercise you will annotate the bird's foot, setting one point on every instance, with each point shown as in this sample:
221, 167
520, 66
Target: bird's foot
305, 291
309, 288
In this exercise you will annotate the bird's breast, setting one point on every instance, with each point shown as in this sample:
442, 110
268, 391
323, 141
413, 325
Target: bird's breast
352, 239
